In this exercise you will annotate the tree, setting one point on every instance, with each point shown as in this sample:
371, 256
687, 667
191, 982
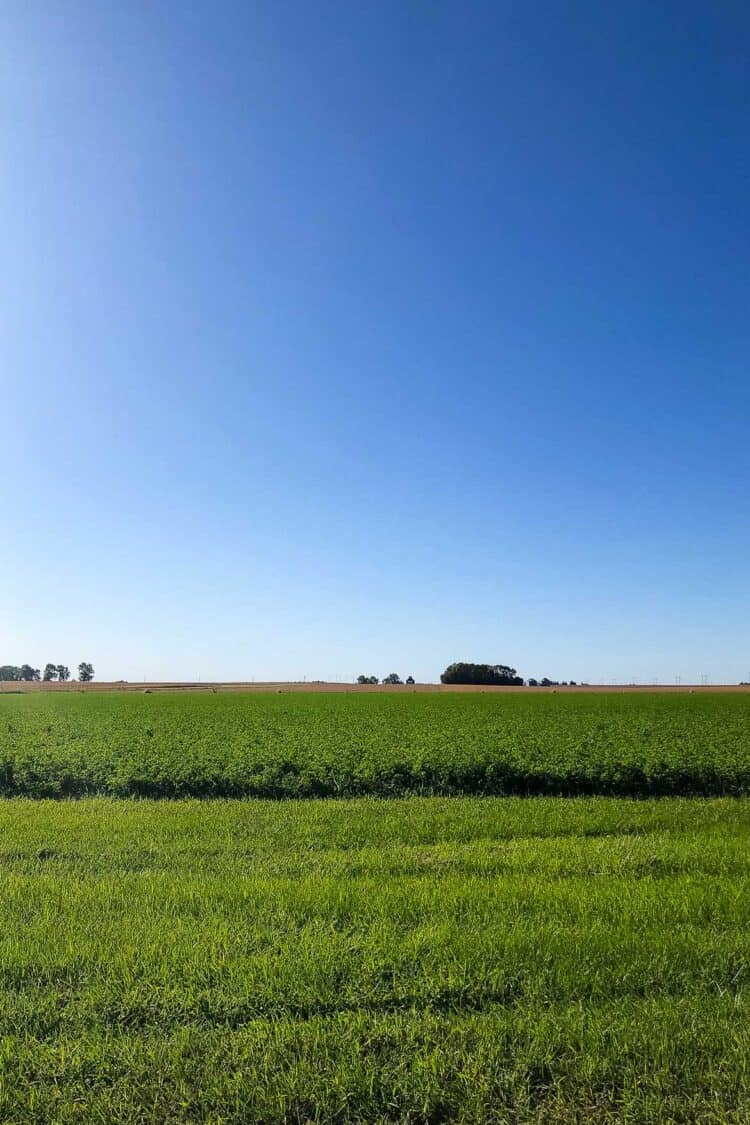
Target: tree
392, 678
50, 673
10, 672
533, 682
410, 680
498, 675
85, 672
28, 673
63, 673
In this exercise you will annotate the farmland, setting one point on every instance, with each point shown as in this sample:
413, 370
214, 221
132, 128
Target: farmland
318, 744
498, 960
453, 953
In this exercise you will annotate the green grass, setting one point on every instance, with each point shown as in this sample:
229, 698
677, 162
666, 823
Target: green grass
356, 744
425, 960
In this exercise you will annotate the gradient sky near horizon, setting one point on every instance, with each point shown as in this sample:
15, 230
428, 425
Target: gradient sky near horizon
365, 337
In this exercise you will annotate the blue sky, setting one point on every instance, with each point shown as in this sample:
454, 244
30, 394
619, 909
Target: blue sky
367, 337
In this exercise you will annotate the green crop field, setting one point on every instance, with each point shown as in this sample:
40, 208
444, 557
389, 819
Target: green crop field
358, 744
425, 960
508, 959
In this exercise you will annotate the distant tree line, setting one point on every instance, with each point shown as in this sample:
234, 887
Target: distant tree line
391, 678
52, 672
495, 675
544, 682
462, 672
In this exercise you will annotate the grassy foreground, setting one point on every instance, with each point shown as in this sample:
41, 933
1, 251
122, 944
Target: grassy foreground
473, 960
305, 745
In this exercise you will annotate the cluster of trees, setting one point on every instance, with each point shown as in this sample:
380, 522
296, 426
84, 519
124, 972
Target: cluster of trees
59, 672
391, 678
497, 675
16, 672
544, 682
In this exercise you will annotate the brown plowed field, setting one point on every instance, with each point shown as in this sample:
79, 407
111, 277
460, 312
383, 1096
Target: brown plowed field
15, 686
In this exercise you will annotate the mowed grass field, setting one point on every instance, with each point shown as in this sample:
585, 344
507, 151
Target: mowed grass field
312, 745
421, 959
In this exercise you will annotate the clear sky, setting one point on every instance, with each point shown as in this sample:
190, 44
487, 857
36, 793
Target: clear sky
363, 337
